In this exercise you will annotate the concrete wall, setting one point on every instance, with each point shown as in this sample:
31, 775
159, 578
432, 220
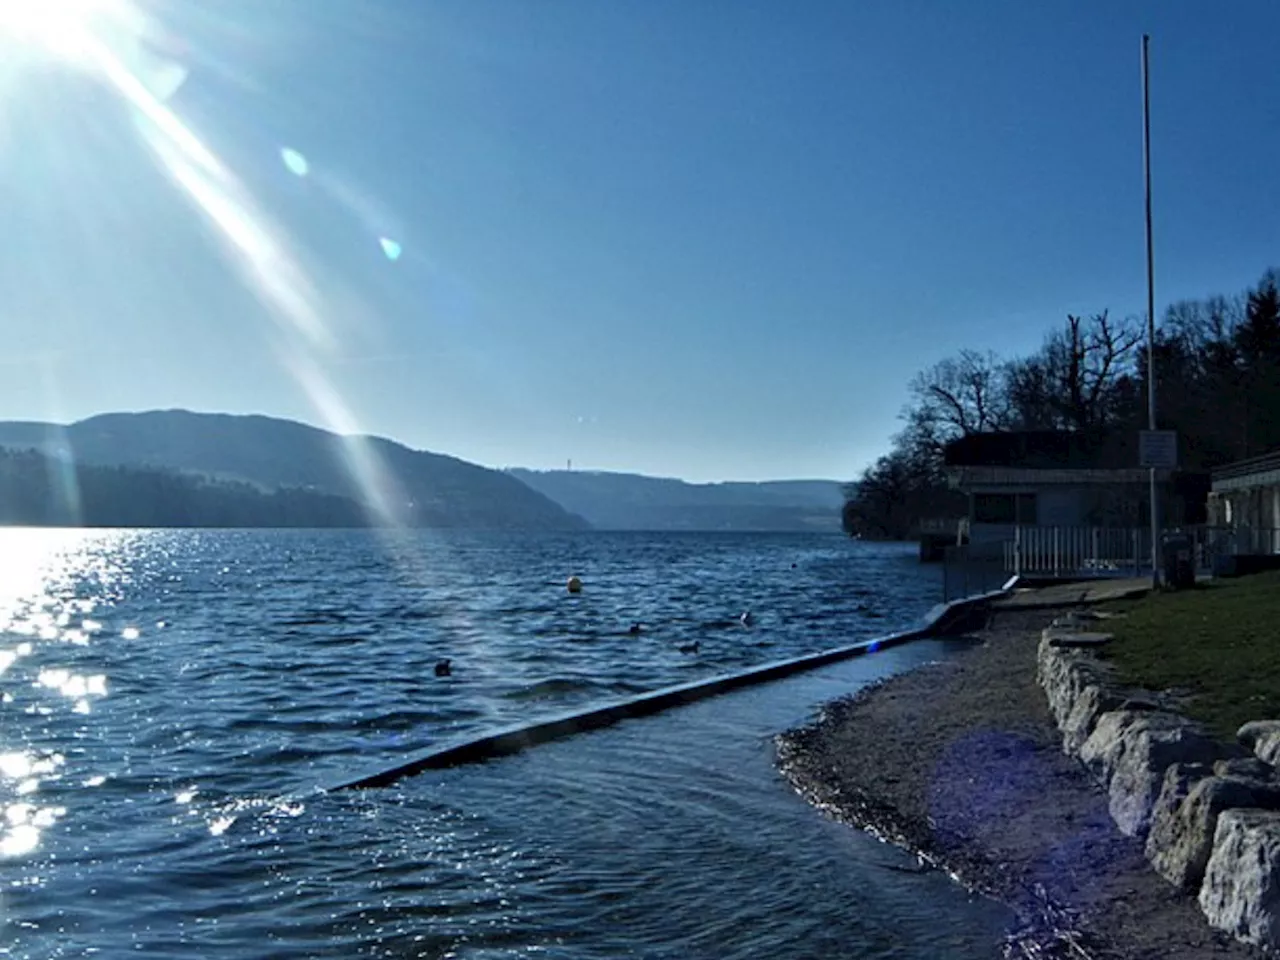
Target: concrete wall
1061, 507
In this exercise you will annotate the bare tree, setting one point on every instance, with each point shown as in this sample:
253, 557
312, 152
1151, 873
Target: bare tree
1078, 376
959, 396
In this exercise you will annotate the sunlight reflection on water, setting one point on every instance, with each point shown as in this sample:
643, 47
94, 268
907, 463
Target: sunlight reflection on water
138, 764
49, 580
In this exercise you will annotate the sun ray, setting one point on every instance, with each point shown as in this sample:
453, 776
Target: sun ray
256, 247
264, 259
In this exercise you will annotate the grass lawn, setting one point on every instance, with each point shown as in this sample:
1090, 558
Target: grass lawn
1220, 642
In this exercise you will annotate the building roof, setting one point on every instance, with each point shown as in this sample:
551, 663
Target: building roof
1045, 450
1252, 472
962, 477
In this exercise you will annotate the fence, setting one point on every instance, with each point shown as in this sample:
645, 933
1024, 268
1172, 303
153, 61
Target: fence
1081, 552
1078, 551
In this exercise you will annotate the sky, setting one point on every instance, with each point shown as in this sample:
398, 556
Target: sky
689, 238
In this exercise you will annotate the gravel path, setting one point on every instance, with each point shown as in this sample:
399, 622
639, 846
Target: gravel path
960, 761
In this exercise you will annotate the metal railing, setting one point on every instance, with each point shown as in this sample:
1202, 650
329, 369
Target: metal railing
1079, 552
1122, 551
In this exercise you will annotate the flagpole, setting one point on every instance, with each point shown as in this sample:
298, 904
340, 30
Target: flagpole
1151, 306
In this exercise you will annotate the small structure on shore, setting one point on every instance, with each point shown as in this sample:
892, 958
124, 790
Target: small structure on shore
1063, 503
1244, 504
1052, 478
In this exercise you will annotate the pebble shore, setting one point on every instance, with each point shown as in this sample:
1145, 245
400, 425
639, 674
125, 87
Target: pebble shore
960, 762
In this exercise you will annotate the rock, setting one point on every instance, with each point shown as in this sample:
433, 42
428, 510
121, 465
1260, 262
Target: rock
1152, 745
1129, 752
1047, 658
1080, 674
1093, 702
1138, 703
1084, 616
1267, 748
1251, 732
1065, 674
1086, 640
1100, 752
1165, 839
1051, 674
1250, 767
1182, 829
1241, 889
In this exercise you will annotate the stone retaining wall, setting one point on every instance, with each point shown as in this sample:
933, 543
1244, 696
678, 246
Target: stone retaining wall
1208, 812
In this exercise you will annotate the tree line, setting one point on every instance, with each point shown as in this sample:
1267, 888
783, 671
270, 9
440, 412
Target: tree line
1217, 366
39, 490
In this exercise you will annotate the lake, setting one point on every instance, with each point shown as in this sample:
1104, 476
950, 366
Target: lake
172, 701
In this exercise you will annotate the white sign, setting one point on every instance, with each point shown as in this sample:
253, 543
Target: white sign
1158, 448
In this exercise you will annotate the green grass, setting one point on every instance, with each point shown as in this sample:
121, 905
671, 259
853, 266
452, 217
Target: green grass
1219, 642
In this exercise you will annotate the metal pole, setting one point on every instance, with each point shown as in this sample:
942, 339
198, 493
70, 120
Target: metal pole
1151, 306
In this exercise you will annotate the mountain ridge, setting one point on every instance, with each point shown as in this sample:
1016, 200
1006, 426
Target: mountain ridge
391, 481
629, 501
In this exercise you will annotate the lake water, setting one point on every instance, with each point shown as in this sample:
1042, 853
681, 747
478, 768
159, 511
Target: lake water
170, 702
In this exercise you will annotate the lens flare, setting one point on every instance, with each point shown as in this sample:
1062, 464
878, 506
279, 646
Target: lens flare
134, 56
295, 162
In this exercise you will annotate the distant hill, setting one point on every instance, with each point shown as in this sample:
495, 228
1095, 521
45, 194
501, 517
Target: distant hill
624, 501
426, 489
42, 491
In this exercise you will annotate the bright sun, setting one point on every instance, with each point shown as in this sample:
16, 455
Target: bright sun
64, 28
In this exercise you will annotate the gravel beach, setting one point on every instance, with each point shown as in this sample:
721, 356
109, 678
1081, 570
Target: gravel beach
960, 762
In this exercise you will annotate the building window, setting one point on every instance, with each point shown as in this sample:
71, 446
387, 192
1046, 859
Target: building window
1007, 508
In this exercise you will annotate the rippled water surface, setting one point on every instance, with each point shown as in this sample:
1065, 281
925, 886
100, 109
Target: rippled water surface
170, 701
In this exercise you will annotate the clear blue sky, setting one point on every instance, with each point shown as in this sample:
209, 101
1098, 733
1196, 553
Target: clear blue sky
686, 237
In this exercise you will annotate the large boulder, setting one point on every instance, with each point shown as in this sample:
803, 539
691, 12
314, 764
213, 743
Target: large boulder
1166, 830
1186, 818
1129, 751
1241, 889
1079, 677
1051, 666
1154, 746
1250, 767
1104, 746
1267, 748
1094, 701
1066, 674
1255, 730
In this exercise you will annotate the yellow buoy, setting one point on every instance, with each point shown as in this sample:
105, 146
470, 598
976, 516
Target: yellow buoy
574, 585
